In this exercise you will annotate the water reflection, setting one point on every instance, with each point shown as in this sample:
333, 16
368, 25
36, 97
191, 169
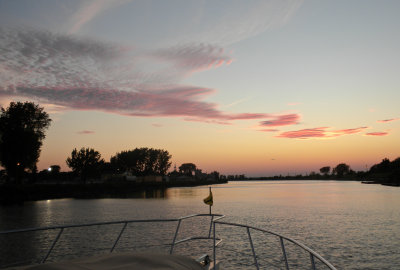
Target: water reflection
334, 218
183, 192
154, 194
143, 194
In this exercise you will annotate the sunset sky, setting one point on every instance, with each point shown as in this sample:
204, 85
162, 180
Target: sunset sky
242, 87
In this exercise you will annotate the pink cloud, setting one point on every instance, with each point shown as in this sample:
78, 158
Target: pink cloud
305, 133
174, 102
281, 120
247, 116
86, 132
85, 74
319, 132
388, 120
348, 131
377, 133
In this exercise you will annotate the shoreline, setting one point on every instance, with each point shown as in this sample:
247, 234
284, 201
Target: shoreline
15, 194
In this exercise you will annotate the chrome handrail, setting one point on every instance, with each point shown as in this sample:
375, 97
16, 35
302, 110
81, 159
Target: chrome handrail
311, 252
61, 229
213, 222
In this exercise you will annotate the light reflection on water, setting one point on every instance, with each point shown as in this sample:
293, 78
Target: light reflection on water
352, 225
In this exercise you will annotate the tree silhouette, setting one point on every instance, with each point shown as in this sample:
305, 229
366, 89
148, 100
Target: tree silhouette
383, 167
341, 169
187, 169
325, 170
22, 130
387, 171
85, 162
142, 161
162, 163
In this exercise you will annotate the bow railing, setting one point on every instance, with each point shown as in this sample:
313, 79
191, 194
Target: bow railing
215, 219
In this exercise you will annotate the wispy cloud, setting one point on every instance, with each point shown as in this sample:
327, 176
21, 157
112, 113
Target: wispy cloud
208, 23
236, 102
281, 120
347, 131
377, 133
89, 10
388, 120
88, 75
319, 132
85, 132
256, 17
194, 57
33, 58
176, 102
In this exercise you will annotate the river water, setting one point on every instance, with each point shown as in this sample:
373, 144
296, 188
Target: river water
352, 225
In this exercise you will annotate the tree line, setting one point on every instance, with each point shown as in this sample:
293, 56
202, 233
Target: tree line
22, 131
88, 162
385, 172
142, 161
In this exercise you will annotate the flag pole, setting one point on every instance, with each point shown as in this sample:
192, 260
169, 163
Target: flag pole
210, 204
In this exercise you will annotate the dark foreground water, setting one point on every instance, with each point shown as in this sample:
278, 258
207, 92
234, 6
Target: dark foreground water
353, 225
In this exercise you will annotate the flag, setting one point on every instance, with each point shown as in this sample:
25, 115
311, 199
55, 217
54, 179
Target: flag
209, 199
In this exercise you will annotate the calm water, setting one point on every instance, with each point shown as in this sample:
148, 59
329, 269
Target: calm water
354, 226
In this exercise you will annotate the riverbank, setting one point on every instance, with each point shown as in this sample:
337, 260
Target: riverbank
383, 182
11, 194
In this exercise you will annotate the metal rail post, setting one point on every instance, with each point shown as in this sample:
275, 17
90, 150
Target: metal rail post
176, 234
119, 236
284, 252
312, 261
214, 245
252, 248
52, 246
